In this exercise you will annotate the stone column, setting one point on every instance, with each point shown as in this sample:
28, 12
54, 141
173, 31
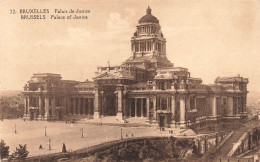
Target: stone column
104, 101
96, 103
89, 106
154, 106
230, 105
173, 107
182, 112
238, 105
40, 108
188, 103
79, 106
130, 107
119, 103
214, 106
29, 104
84, 106
135, 107
142, 107
69, 105
64, 104
168, 105
74, 106
46, 107
147, 107
245, 104
25, 106
160, 103
53, 105
125, 105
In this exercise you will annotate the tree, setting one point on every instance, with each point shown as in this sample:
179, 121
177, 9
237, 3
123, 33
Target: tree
64, 148
4, 150
21, 152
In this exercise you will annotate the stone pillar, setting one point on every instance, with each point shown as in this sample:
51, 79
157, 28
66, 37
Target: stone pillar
245, 104
29, 104
188, 103
238, 106
104, 101
74, 106
125, 105
119, 103
160, 103
230, 105
65, 106
69, 105
154, 106
79, 106
214, 106
130, 107
182, 112
53, 104
173, 108
89, 106
46, 107
168, 105
40, 108
147, 107
84, 106
135, 107
96, 103
142, 107
25, 106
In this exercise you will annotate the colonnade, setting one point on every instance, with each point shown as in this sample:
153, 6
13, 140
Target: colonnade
81, 106
45, 107
236, 105
148, 45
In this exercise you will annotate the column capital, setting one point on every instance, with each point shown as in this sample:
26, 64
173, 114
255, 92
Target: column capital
119, 88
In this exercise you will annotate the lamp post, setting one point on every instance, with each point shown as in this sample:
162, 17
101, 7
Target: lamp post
15, 129
82, 132
45, 131
49, 143
121, 133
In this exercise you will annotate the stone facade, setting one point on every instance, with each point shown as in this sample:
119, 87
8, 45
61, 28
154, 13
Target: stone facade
146, 85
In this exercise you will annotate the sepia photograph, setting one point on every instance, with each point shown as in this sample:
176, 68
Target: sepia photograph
130, 80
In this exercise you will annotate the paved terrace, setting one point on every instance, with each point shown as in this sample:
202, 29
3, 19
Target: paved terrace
32, 133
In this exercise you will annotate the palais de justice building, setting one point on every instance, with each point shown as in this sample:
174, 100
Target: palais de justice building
146, 85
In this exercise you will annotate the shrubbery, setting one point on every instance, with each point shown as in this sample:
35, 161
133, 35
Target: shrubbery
147, 149
4, 150
154, 149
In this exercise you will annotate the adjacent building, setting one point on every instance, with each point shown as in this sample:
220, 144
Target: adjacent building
147, 85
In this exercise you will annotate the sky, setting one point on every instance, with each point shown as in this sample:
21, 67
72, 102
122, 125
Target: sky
209, 37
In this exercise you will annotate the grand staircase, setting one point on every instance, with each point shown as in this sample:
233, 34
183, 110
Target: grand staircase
227, 146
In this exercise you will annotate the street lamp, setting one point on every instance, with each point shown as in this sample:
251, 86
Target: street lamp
49, 143
121, 133
45, 131
15, 129
82, 132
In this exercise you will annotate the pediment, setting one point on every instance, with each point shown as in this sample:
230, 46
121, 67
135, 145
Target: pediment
106, 75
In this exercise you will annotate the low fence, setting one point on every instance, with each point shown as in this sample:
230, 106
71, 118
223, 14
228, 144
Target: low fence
248, 141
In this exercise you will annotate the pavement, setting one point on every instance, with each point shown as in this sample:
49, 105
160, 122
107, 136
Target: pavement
32, 133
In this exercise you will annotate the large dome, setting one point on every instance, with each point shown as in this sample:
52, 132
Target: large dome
148, 18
